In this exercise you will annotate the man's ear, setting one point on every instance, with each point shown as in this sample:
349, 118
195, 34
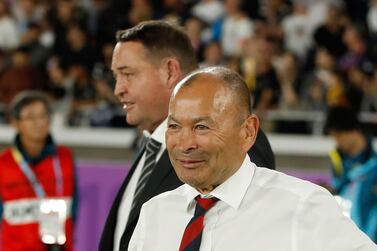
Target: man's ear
174, 72
251, 127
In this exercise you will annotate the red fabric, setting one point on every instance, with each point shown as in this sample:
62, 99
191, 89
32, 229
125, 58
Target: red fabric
195, 227
191, 232
14, 186
206, 203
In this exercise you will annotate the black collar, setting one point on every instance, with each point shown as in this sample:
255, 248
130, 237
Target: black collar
48, 149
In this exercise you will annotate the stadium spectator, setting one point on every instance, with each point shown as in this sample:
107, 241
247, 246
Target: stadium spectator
19, 76
194, 29
353, 168
329, 35
9, 38
141, 10
298, 30
372, 17
323, 86
26, 12
31, 39
78, 50
212, 55
261, 75
208, 10
62, 15
233, 29
84, 96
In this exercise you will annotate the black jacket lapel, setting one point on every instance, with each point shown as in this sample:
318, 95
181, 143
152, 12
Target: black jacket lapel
107, 237
163, 178
162, 168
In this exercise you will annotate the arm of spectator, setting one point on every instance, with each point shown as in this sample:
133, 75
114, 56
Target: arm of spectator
264, 102
289, 95
287, 77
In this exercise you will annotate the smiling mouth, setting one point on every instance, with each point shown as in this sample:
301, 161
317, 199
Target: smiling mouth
127, 106
190, 164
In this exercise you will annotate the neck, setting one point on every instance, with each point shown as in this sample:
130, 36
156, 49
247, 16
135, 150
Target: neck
206, 190
151, 127
229, 173
359, 145
237, 15
32, 148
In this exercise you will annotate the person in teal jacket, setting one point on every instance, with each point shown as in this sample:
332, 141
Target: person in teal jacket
354, 168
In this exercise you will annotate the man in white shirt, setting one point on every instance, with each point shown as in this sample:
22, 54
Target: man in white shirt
236, 28
298, 30
210, 129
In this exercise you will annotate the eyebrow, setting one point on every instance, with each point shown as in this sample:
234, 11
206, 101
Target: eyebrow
119, 68
205, 118
195, 120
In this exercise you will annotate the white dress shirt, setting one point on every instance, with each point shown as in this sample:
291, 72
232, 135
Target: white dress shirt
128, 196
259, 209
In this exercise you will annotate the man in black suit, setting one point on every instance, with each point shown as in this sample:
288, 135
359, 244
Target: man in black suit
148, 62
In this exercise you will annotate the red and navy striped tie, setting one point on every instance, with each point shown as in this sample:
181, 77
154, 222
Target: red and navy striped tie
193, 233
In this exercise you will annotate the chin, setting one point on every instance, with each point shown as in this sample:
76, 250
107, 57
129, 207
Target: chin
190, 180
193, 183
132, 121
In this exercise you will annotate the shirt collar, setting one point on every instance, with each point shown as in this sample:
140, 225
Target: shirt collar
159, 133
362, 156
48, 150
232, 191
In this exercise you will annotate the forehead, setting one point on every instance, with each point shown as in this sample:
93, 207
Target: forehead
129, 54
205, 93
36, 105
340, 132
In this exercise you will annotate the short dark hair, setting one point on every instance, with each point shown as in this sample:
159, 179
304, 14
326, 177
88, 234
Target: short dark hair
230, 79
162, 39
341, 118
26, 98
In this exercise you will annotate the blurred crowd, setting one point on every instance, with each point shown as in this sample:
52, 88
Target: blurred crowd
294, 55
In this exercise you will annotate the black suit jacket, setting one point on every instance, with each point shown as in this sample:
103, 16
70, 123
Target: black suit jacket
162, 179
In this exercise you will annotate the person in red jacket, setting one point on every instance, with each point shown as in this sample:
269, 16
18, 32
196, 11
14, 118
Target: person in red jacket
37, 182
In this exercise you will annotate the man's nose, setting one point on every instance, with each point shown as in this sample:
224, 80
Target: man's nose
120, 88
187, 140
